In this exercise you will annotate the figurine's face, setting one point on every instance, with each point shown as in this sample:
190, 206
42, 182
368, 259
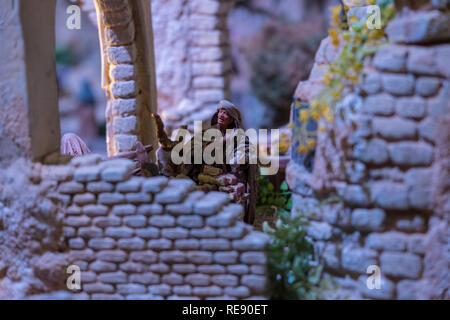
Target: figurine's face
223, 118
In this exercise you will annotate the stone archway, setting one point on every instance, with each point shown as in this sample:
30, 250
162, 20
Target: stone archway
192, 55
128, 74
31, 129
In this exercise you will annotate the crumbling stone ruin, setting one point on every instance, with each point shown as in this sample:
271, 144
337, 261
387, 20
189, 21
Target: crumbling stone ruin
392, 171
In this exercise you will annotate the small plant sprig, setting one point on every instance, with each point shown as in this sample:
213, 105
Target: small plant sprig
292, 275
358, 42
271, 202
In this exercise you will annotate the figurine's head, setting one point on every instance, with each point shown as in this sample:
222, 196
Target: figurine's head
227, 116
223, 118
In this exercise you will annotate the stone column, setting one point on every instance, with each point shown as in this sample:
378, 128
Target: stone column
29, 116
126, 37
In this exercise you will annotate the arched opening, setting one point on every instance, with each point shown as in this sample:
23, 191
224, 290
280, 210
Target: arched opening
121, 36
81, 99
32, 128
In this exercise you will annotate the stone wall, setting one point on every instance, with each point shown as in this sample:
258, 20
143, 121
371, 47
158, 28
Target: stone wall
388, 171
28, 84
31, 228
154, 238
193, 58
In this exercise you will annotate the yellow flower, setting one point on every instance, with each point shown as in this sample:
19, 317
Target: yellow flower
304, 114
284, 146
301, 149
291, 125
327, 77
322, 129
311, 143
324, 107
358, 66
335, 12
315, 116
346, 36
354, 19
335, 94
335, 21
334, 37
328, 115
377, 34
371, 2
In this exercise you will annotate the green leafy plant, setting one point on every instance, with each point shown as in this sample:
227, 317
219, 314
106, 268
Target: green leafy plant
271, 202
355, 41
290, 261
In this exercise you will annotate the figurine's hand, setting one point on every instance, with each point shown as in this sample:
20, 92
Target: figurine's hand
165, 142
157, 119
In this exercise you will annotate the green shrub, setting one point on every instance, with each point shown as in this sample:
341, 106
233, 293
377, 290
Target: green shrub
271, 202
290, 261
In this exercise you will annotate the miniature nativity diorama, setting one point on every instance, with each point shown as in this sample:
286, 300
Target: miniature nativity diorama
224, 149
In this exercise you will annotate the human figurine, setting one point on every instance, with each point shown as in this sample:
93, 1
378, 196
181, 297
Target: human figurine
240, 180
73, 145
226, 117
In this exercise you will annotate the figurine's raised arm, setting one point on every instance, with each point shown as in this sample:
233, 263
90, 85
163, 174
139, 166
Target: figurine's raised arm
163, 139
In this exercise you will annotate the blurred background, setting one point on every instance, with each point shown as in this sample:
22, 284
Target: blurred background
272, 46
82, 101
